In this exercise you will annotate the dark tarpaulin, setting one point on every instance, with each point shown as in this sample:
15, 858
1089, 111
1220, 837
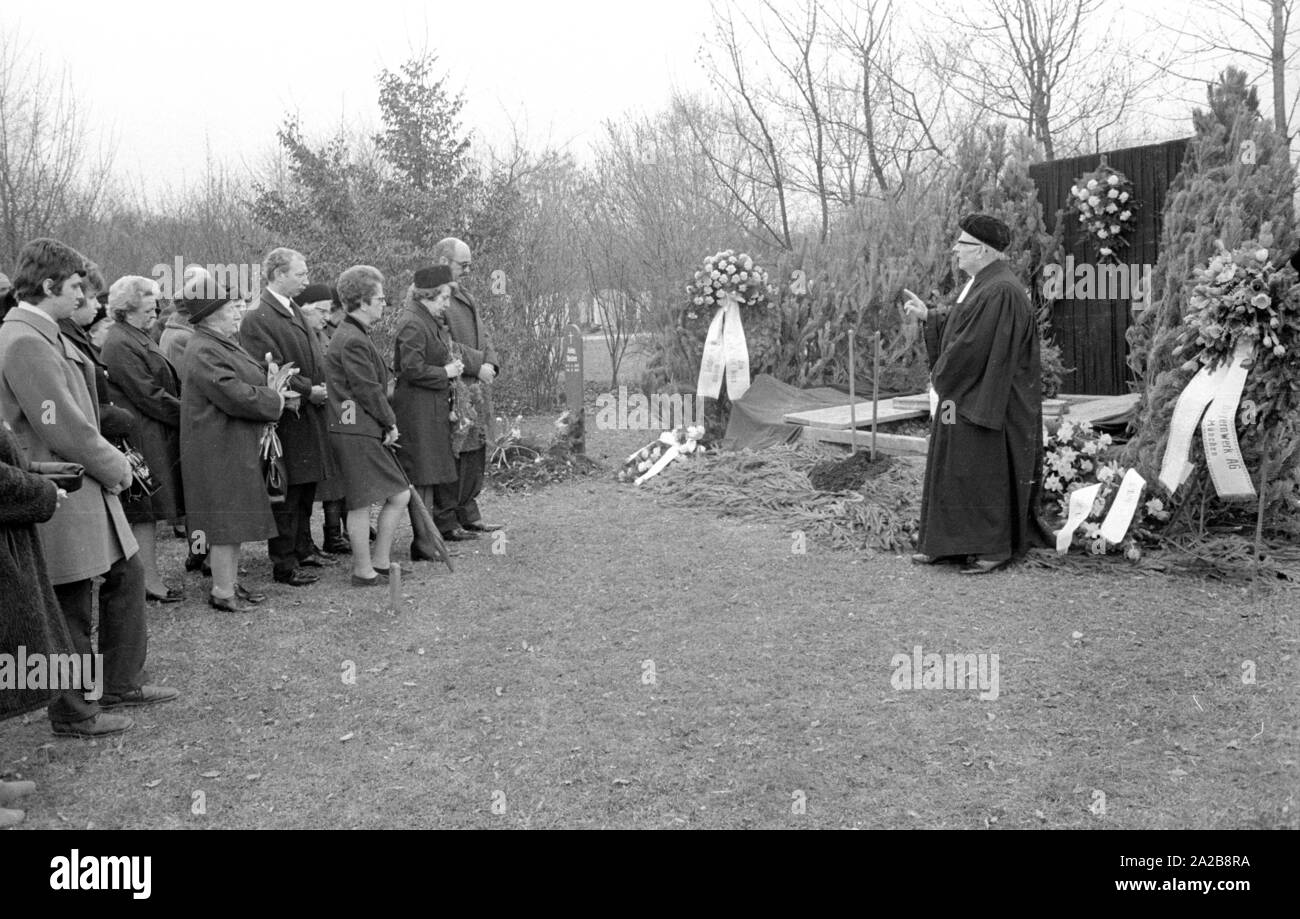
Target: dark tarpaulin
756, 418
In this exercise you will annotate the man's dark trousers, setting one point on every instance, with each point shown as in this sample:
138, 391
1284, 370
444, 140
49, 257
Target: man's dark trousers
293, 521
123, 634
470, 466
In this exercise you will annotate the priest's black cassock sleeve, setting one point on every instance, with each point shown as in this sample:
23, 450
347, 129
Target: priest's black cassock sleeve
986, 437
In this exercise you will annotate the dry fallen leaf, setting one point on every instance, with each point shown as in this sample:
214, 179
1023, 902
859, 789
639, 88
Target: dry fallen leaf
154, 784
346, 737
210, 775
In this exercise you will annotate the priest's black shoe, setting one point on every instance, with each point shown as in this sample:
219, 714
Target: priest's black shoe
337, 545
479, 526
459, 535
296, 578
980, 565
316, 560
920, 558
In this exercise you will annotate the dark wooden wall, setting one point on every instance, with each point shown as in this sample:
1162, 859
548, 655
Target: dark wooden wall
1091, 332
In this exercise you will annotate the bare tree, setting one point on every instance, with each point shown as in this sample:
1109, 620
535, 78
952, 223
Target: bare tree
1045, 64
742, 148
1261, 31
46, 175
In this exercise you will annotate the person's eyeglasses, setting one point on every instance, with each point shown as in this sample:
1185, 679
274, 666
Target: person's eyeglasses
464, 266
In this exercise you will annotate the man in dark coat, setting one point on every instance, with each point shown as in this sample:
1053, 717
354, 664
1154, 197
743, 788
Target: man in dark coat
986, 436
278, 328
481, 365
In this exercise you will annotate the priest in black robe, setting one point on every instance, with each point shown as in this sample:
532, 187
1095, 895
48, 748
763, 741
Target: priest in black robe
987, 432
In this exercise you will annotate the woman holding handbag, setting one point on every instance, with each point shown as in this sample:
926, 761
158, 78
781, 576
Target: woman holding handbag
226, 406
363, 426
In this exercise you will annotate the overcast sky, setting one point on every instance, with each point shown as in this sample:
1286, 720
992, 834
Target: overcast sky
165, 80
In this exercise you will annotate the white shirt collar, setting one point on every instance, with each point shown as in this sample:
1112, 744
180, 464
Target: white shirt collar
283, 301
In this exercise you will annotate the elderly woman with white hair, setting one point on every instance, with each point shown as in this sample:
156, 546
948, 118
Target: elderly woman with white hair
142, 381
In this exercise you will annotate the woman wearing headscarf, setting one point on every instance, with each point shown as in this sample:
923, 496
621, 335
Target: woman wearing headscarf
363, 426
142, 381
425, 370
225, 407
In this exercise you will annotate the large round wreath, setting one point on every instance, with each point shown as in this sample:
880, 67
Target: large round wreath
723, 273
1105, 204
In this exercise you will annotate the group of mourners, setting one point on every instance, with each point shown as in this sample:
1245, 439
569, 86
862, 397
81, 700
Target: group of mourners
115, 421
195, 404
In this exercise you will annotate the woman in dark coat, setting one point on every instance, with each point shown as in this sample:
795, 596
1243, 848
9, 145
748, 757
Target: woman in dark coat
422, 399
363, 426
317, 303
145, 383
225, 407
31, 617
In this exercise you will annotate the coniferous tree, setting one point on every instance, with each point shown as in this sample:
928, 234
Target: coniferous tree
1236, 185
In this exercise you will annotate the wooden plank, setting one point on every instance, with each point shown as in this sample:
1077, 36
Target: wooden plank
837, 416
890, 443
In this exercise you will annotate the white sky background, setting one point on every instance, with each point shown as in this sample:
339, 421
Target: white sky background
161, 82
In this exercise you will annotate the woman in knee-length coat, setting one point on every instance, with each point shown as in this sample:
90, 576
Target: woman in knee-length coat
425, 369
142, 381
225, 406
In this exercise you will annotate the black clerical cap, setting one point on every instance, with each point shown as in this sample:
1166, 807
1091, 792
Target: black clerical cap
988, 230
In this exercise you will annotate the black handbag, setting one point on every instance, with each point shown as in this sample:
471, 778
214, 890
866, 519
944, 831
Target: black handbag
274, 473
143, 484
67, 476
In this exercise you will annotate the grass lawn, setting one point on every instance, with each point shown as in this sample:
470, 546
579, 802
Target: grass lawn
625, 662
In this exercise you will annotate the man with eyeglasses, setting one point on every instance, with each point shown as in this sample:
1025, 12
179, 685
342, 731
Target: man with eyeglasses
481, 366
986, 436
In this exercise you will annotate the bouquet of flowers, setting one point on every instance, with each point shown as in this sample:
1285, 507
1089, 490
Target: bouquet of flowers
1070, 456
723, 274
1073, 458
507, 447
651, 459
1104, 200
468, 404
272, 453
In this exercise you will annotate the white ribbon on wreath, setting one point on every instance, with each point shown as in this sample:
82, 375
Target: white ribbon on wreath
725, 352
1215, 394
